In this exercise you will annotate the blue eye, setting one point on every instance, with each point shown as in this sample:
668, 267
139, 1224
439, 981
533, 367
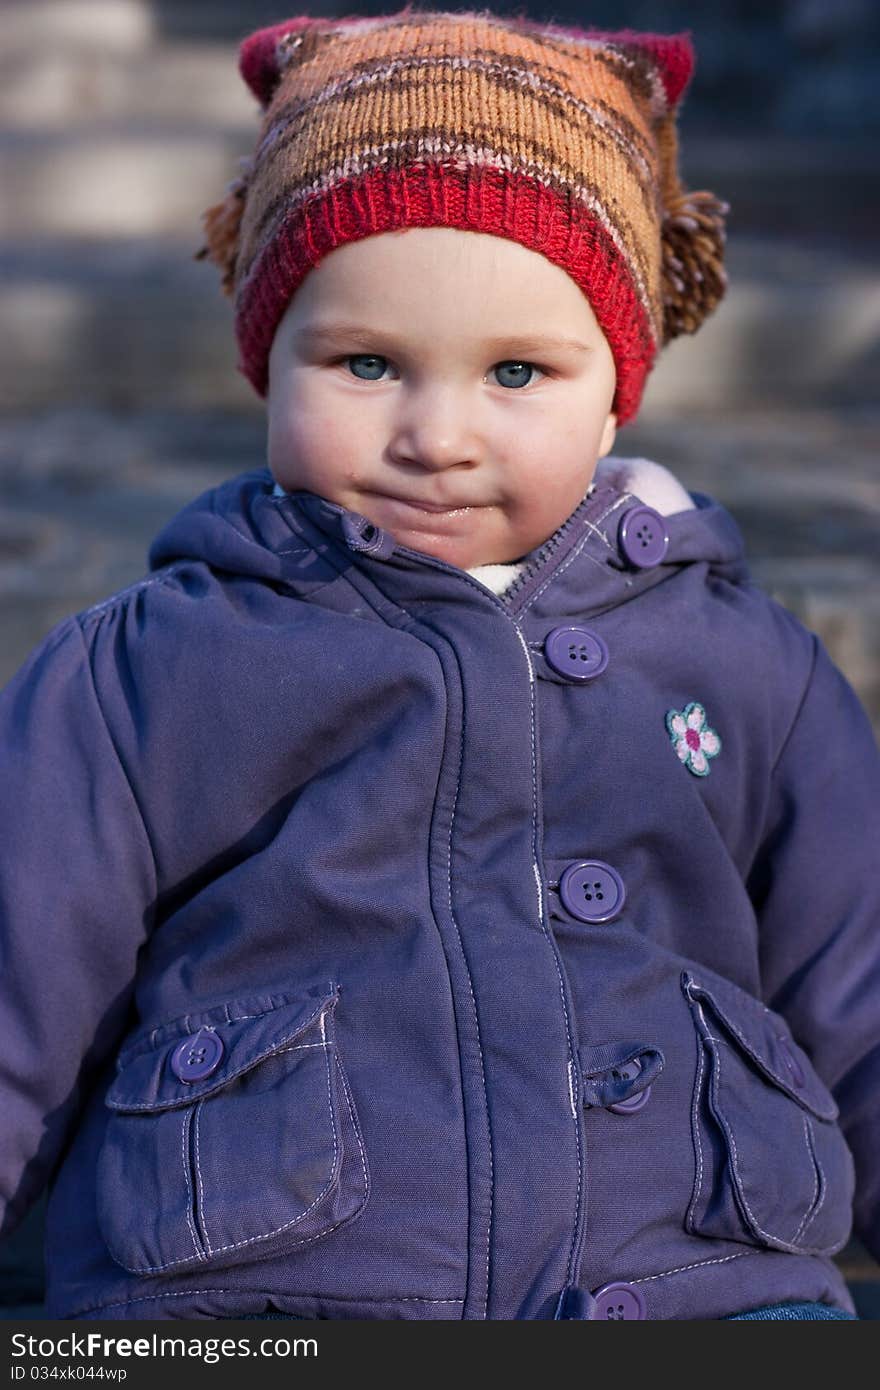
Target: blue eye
366, 357
517, 367
376, 366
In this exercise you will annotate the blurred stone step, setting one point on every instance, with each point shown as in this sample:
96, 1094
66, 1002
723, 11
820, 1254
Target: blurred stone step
102, 182
112, 26
798, 324
108, 66
126, 322
123, 324
801, 187
52, 90
125, 26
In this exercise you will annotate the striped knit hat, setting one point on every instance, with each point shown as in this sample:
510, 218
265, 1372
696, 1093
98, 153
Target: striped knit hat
562, 139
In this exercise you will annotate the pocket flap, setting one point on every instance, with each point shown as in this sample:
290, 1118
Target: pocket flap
766, 1039
248, 1031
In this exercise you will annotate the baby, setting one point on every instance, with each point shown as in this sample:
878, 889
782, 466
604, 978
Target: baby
446, 886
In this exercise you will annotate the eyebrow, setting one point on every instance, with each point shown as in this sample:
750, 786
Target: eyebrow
357, 333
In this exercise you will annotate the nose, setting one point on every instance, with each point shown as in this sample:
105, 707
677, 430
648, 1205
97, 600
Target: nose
435, 429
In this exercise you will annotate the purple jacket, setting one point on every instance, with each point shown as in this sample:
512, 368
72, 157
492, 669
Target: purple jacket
373, 946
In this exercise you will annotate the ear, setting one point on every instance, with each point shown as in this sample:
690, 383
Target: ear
609, 434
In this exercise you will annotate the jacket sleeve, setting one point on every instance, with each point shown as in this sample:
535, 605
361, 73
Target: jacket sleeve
77, 885
816, 888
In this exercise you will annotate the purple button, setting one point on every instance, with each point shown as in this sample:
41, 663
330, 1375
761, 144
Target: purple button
619, 1301
628, 1072
642, 536
592, 891
197, 1056
575, 652
629, 1107
361, 534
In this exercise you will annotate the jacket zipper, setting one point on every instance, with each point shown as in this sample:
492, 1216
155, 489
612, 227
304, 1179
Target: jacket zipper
579, 1231
547, 548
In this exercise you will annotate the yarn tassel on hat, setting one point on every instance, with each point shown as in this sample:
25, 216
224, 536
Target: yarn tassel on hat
693, 275
692, 237
222, 224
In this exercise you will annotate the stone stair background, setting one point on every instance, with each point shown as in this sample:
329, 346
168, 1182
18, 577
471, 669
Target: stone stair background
121, 120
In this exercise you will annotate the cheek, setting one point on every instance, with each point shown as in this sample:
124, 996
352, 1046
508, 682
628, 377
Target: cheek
299, 429
550, 489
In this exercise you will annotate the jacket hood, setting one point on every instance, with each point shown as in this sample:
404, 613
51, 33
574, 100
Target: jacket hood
248, 526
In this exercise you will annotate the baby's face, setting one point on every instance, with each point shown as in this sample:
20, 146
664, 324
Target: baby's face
431, 408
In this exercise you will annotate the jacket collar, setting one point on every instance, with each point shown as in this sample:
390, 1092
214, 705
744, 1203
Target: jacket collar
244, 527
584, 563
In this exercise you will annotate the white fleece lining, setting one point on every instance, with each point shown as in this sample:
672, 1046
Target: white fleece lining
651, 482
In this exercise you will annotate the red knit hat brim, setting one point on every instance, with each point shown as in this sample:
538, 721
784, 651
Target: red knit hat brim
486, 200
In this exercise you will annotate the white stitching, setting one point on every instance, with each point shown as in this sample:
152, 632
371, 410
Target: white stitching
263, 1293
170, 1028
349, 1100
195, 1127
125, 1058
818, 1162
821, 1180
690, 1215
184, 1133
698, 1264
815, 1193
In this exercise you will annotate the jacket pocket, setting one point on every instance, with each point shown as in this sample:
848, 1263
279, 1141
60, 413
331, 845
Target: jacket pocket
232, 1136
772, 1166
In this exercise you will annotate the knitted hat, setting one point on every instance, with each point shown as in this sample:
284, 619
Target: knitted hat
561, 139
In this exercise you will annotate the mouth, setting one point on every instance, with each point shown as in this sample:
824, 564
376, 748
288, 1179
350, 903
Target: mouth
426, 508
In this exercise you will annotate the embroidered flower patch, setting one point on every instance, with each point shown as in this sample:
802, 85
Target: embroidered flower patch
693, 740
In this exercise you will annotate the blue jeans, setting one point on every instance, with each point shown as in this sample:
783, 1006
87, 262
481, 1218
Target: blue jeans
792, 1312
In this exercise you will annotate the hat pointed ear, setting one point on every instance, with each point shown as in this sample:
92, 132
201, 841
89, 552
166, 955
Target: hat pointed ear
258, 56
264, 55
671, 54
674, 57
